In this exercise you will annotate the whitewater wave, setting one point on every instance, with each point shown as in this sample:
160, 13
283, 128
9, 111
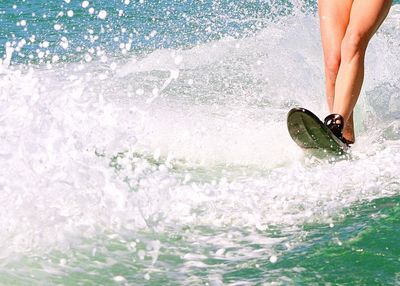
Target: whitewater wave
186, 137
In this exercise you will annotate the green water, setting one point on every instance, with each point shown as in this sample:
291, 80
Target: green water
361, 247
149, 147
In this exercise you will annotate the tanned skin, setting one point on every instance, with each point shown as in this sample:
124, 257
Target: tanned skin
346, 28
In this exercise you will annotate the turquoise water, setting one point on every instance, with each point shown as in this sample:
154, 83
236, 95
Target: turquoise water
144, 143
146, 26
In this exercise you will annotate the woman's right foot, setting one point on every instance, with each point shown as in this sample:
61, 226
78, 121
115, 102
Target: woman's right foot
335, 123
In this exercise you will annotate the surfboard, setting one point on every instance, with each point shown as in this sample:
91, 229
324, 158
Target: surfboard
311, 134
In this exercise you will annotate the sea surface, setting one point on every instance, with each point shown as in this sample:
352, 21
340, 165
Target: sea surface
144, 142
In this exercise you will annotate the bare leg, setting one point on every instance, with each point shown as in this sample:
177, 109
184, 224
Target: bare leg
348, 131
334, 18
365, 18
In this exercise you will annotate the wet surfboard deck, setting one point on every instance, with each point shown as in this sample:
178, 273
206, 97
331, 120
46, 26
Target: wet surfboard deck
311, 134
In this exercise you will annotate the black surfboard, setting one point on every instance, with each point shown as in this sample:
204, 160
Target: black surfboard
311, 134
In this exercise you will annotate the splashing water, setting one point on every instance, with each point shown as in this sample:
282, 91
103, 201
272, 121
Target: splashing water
162, 157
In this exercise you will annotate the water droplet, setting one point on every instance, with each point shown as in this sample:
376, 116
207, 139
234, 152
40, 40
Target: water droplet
102, 14
273, 259
119, 279
45, 44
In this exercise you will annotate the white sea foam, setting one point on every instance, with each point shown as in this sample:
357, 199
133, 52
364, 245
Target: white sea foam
210, 153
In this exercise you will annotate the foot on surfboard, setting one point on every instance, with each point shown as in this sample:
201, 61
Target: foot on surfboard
310, 133
335, 122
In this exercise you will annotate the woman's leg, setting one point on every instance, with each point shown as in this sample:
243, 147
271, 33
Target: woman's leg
334, 16
365, 18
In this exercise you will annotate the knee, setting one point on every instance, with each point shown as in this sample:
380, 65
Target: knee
354, 44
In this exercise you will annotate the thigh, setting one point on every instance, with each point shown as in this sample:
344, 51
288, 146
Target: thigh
334, 16
366, 16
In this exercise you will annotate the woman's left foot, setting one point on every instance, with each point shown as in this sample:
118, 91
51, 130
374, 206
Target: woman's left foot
335, 123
